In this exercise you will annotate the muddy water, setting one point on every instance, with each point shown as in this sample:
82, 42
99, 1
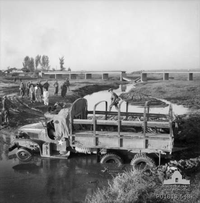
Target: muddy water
48, 180
105, 95
53, 180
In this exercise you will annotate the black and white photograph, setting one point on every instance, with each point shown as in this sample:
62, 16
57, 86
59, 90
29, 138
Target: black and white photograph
100, 101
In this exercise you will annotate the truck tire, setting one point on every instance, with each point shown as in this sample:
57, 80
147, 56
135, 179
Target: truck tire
23, 154
142, 162
111, 159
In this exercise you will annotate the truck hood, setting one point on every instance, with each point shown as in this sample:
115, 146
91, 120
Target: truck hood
30, 127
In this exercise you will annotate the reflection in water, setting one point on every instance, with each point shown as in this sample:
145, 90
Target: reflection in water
105, 95
48, 180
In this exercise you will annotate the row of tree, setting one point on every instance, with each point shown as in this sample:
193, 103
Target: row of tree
40, 63
30, 64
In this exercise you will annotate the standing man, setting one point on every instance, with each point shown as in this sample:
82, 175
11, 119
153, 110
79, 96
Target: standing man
5, 110
38, 96
46, 85
114, 99
68, 84
27, 88
46, 97
22, 88
56, 86
32, 93
64, 89
40, 86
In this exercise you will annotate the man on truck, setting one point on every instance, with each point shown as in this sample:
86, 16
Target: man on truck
114, 99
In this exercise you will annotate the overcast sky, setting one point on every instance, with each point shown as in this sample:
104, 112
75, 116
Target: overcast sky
102, 35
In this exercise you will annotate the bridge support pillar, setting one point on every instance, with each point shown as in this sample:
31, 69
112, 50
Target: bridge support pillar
73, 76
104, 76
165, 76
144, 77
123, 74
88, 76
190, 76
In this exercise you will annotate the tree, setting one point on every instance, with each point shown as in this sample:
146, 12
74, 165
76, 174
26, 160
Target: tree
62, 63
45, 62
31, 65
69, 69
28, 64
37, 60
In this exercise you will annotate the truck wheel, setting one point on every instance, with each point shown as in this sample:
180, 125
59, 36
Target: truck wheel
111, 159
142, 162
23, 155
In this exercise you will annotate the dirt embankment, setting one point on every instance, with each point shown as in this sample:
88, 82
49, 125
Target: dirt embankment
186, 93
22, 111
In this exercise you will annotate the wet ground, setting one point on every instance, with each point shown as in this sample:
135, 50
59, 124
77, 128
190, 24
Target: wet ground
48, 180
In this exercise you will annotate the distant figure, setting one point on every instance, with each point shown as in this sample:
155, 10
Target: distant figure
56, 86
5, 110
38, 96
32, 93
41, 87
27, 88
22, 88
68, 84
46, 97
46, 85
64, 89
15, 80
114, 99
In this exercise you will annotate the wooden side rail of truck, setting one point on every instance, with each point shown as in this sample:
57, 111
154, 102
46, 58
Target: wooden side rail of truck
138, 143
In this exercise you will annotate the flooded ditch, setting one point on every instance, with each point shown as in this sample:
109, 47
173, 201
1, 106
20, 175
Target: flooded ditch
105, 95
54, 180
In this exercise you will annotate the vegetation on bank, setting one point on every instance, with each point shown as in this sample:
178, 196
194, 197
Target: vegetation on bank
145, 187
181, 92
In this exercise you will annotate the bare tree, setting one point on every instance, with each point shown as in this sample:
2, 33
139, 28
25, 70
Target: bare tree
62, 63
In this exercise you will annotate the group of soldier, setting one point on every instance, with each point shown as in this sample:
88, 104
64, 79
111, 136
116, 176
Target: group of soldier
36, 92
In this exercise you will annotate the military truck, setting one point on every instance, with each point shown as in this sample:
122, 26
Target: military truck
114, 136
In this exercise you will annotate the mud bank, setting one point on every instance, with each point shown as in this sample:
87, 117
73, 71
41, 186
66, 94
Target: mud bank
22, 111
186, 93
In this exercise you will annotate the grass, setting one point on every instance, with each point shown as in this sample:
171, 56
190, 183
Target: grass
181, 92
141, 187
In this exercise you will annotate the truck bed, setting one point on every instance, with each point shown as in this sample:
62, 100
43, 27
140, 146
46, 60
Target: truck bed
126, 140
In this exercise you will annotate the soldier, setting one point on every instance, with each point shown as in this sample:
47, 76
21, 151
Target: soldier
114, 99
41, 87
46, 85
5, 110
56, 86
22, 88
27, 88
32, 93
46, 97
38, 96
68, 84
64, 89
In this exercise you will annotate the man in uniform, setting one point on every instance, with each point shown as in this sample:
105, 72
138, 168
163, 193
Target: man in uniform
56, 86
5, 110
114, 99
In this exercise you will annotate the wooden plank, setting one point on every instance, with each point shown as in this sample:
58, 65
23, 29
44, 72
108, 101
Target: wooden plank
125, 135
135, 114
157, 124
128, 144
